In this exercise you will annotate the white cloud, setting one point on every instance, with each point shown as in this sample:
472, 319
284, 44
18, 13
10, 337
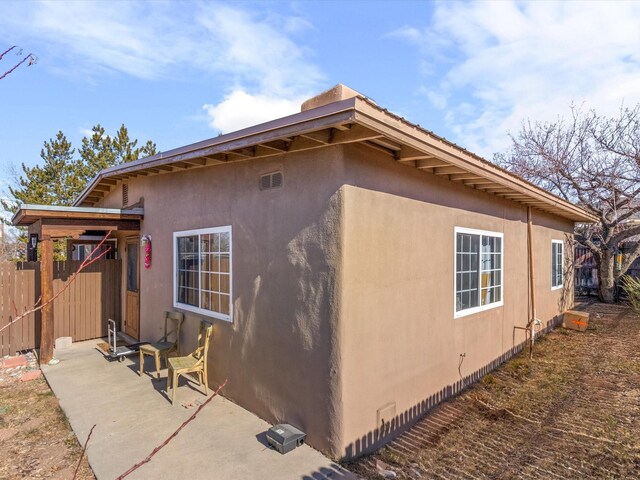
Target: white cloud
253, 55
240, 109
85, 132
502, 62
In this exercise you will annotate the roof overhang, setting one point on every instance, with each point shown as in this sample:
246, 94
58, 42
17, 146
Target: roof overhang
354, 120
62, 222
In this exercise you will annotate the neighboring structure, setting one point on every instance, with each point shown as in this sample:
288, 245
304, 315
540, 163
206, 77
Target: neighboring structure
357, 268
586, 272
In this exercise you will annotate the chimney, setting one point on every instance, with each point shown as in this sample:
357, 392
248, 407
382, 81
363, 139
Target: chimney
335, 94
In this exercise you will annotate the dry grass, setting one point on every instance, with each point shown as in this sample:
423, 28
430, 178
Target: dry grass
36, 440
573, 412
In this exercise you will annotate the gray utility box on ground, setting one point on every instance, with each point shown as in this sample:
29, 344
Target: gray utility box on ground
285, 437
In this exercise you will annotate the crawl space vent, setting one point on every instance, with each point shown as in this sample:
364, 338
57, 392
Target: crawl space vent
125, 194
272, 180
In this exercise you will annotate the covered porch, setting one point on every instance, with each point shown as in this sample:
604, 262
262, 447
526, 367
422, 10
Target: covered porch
47, 223
133, 416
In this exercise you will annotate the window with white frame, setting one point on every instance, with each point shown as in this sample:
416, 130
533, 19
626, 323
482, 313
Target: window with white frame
557, 264
202, 280
478, 265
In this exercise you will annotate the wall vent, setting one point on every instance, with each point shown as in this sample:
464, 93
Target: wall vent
125, 194
271, 180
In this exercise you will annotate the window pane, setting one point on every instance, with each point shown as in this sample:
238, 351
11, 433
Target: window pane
215, 302
225, 284
224, 242
224, 304
132, 267
215, 282
473, 298
205, 300
215, 242
467, 265
474, 281
224, 263
199, 261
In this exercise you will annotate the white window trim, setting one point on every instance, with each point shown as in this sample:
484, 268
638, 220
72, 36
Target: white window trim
480, 308
557, 287
191, 308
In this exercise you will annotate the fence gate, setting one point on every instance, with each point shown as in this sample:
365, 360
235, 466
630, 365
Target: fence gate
81, 308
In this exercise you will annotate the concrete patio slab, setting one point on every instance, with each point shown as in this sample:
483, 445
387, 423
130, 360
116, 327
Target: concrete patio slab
133, 415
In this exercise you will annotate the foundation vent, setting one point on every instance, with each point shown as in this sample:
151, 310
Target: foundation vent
272, 180
125, 194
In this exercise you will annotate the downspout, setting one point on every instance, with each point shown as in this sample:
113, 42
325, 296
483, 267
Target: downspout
532, 284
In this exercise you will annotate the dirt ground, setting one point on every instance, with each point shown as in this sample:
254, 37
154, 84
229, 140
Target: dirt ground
572, 412
36, 440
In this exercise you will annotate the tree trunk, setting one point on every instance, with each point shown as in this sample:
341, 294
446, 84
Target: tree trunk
606, 279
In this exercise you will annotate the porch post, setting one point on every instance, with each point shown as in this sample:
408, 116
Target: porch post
46, 289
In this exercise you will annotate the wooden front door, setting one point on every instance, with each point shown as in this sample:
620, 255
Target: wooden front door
132, 312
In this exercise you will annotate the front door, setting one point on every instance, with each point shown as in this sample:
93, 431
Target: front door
132, 313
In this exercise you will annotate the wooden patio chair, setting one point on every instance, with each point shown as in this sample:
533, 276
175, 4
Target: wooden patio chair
195, 362
164, 346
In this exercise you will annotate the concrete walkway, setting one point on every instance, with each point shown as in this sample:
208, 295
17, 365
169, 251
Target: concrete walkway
133, 415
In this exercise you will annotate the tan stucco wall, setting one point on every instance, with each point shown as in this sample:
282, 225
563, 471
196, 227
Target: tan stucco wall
342, 286
401, 345
280, 353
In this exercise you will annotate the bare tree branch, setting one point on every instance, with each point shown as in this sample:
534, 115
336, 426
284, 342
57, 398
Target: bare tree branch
593, 161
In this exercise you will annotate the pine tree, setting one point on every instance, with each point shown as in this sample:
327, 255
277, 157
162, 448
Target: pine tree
100, 151
52, 182
60, 178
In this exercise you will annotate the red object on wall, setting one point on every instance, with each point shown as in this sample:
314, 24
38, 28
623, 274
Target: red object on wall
146, 241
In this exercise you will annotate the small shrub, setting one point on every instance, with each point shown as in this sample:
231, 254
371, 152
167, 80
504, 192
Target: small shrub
488, 379
518, 368
631, 286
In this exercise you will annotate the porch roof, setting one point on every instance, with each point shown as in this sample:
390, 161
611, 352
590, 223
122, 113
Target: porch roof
58, 221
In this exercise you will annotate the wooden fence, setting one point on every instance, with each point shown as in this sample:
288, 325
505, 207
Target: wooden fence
80, 312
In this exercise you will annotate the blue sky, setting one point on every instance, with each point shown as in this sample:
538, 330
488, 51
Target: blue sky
180, 72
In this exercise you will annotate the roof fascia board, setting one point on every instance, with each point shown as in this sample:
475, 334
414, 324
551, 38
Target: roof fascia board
415, 137
310, 120
49, 211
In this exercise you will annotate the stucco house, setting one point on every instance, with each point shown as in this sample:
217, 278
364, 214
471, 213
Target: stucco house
357, 268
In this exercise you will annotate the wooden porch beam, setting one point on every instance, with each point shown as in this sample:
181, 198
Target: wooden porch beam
51, 225
46, 291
